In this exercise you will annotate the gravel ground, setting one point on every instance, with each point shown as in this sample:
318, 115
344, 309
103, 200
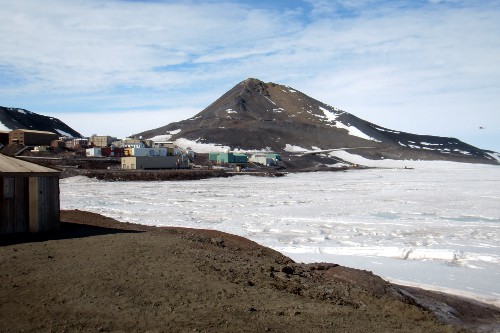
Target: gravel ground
97, 274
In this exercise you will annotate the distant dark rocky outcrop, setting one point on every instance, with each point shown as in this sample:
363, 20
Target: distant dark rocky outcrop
254, 115
15, 118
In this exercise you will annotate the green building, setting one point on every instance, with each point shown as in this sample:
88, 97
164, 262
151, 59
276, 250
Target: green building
228, 158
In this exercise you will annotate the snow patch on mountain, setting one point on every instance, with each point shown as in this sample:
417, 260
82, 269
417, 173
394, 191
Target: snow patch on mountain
295, 149
386, 130
331, 116
495, 156
462, 151
63, 133
201, 147
434, 147
270, 100
354, 131
160, 138
388, 163
165, 137
350, 158
430, 144
3, 127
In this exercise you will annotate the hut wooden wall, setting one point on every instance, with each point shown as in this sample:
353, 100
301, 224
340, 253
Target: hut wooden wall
43, 203
14, 210
34, 206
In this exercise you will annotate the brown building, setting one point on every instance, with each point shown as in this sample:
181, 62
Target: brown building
29, 196
31, 138
4, 138
101, 140
58, 144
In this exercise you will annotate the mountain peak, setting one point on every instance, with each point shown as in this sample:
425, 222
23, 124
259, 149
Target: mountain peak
256, 84
257, 116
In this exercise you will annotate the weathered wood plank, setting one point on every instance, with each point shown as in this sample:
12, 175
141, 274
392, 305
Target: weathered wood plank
34, 218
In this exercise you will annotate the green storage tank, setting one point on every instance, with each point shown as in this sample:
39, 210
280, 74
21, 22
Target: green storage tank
228, 157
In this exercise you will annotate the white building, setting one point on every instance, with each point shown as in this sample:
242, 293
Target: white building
172, 149
93, 152
268, 159
146, 151
78, 142
154, 162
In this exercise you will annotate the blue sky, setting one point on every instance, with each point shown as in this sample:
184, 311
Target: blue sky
121, 67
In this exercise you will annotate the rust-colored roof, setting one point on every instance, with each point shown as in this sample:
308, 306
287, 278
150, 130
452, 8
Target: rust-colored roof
15, 165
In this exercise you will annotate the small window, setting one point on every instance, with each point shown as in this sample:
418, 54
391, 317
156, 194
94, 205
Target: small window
8, 187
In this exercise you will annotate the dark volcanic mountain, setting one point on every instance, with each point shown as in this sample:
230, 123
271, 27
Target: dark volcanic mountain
255, 115
14, 118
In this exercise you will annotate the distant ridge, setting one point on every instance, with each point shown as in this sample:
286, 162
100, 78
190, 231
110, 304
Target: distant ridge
254, 115
16, 118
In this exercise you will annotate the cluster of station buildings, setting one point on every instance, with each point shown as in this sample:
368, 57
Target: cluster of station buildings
29, 193
141, 154
134, 153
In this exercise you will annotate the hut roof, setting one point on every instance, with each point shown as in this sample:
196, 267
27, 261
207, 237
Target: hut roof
33, 131
17, 166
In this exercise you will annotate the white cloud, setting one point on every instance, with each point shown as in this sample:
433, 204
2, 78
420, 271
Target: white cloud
89, 45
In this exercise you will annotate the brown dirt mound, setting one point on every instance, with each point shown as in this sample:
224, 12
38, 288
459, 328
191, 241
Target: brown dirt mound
97, 274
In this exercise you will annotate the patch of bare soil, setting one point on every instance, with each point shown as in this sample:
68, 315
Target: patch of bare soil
97, 274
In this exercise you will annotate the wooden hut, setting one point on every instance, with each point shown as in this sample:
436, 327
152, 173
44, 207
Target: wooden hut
31, 137
4, 138
29, 196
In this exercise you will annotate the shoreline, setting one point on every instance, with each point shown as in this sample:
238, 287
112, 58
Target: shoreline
474, 297
163, 175
485, 299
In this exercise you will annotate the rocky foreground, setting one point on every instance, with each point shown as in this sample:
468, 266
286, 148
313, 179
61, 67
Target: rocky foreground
97, 274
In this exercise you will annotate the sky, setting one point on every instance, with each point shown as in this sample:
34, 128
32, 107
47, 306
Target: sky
119, 67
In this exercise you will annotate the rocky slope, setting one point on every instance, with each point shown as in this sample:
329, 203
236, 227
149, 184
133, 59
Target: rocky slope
15, 118
254, 115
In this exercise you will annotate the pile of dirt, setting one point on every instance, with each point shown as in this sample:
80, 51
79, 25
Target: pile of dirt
97, 274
